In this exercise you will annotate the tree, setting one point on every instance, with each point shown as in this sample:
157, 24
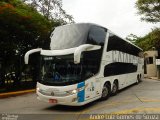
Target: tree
21, 29
149, 9
51, 9
150, 40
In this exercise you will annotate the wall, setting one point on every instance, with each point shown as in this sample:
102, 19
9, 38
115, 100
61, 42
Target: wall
151, 68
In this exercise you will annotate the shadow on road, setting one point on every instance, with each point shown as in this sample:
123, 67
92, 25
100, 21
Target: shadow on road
63, 108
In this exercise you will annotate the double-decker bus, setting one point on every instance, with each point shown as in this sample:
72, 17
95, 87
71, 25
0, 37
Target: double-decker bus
86, 62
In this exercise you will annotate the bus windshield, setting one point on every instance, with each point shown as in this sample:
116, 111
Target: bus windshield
60, 70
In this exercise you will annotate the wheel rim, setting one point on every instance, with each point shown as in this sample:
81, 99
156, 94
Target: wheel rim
105, 92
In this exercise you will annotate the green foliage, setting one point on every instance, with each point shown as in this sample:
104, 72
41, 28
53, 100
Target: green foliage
150, 40
21, 29
149, 9
51, 9
21, 24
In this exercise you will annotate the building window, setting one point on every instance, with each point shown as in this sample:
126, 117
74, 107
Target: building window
149, 60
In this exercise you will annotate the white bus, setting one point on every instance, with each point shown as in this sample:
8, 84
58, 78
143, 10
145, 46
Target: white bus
86, 62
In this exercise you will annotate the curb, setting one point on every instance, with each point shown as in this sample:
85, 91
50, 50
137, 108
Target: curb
152, 78
13, 94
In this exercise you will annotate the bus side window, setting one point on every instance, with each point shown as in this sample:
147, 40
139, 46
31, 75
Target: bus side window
119, 68
118, 44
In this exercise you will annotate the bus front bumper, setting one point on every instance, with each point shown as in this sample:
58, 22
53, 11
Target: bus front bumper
71, 100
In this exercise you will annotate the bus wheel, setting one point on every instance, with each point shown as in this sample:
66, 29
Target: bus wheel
105, 92
139, 78
115, 88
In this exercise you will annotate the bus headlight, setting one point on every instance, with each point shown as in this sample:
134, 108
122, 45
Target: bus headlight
74, 91
71, 92
38, 88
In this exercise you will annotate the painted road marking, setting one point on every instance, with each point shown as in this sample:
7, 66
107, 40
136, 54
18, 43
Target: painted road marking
137, 110
112, 104
127, 111
16, 93
145, 99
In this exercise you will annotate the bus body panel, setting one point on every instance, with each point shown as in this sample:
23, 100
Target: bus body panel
88, 94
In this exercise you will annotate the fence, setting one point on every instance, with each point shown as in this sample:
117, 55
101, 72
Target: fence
12, 83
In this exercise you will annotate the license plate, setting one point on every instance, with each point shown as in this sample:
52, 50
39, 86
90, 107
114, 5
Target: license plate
53, 101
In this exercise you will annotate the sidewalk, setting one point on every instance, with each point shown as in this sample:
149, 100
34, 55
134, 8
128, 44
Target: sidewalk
154, 78
11, 94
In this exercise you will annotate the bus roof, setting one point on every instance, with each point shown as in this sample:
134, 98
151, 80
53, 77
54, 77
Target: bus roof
88, 25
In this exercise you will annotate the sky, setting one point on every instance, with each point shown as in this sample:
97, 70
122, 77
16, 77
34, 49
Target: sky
120, 16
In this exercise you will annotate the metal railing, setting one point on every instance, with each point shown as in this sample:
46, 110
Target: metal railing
13, 83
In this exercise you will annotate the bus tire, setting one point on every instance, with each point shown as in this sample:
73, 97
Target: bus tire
115, 88
105, 92
137, 81
139, 78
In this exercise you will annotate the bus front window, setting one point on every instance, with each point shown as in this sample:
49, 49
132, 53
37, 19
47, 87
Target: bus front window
60, 70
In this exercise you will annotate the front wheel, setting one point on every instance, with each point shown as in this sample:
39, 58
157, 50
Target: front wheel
105, 92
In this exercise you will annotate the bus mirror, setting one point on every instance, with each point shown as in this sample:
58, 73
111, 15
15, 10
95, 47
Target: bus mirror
26, 57
80, 49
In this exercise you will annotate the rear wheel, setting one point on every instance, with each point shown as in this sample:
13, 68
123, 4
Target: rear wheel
115, 88
105, 92
139, 78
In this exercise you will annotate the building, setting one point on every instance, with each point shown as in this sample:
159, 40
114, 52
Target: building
151, 69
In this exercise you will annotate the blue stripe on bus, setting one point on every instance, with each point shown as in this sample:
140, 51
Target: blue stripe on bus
81, 94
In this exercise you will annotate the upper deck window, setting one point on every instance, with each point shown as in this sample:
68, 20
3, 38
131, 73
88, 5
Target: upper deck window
96, 36
116, 43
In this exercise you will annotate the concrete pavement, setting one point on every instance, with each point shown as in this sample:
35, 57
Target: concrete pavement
142, 98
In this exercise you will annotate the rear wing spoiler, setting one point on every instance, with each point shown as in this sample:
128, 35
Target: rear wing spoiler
76, 51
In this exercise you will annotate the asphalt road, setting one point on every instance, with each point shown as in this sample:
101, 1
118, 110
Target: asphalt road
143, 98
